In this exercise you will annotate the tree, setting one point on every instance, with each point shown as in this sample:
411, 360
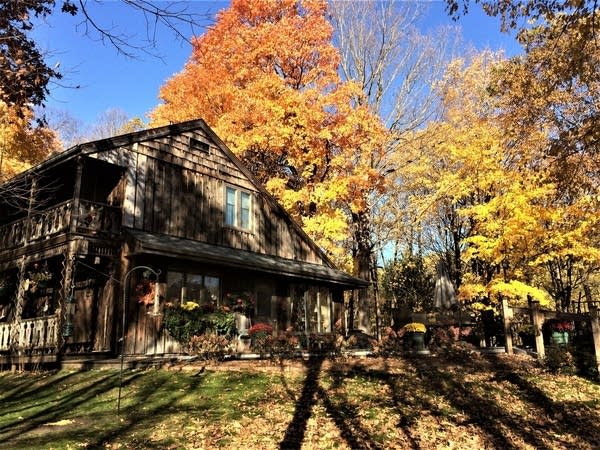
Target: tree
555, 86
408, 281
24, 73
22, 145
113, 122
395, 66
265, 78
484, 199
72, 131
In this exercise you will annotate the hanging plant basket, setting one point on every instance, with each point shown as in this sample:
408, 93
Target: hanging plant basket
144, 292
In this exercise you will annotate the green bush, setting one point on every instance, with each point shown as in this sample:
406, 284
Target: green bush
222, 323
189, 319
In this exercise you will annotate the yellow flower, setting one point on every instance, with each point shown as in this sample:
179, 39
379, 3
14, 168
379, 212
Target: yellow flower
415, 327
190, 306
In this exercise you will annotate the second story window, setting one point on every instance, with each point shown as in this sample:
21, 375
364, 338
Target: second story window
238, 205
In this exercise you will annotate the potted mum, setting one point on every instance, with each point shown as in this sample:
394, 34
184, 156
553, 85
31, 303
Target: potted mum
415, 335
261, 336
559, 329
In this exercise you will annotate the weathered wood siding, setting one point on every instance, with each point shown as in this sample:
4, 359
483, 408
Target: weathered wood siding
173, 188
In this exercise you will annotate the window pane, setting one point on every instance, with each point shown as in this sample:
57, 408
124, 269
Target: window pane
245, 210
194, 289
211, 284
230, 206
174, 285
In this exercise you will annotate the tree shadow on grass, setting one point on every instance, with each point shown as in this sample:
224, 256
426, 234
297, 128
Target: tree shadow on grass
28, 385
60, 407
294, 435
570, 416
342, 412
139, 412
397, 386
151, 398
495, 420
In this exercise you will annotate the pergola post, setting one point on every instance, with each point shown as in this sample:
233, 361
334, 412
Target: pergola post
507, 315
595, 321
537, 318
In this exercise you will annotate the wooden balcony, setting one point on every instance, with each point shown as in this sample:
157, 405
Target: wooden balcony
38, 335
91, 218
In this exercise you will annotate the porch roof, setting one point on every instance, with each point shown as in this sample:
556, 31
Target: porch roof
157, 244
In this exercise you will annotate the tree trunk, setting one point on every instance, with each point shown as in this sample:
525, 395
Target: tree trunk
363, 262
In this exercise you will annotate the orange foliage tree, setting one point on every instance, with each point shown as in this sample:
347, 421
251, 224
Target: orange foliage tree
21, 143
265, 77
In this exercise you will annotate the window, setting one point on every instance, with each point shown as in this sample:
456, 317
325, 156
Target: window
195, 144
197, 287
238, 206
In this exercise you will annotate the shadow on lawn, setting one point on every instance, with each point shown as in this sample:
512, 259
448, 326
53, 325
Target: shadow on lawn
440, 390
54, 405
344, 414
493, 419
294, 435
33, 431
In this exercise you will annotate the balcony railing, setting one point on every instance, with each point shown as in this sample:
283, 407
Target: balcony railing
4, 337
91, 218
39, 334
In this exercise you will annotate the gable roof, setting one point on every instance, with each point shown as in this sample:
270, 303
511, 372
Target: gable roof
106, 144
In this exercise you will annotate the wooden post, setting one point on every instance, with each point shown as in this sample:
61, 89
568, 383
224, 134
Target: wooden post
66, 290
507, 315
15, 326
537, 318
75, 212
595, 321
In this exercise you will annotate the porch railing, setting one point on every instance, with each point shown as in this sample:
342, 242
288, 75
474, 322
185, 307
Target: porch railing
34, 334
91, 218
4, 336
39, 333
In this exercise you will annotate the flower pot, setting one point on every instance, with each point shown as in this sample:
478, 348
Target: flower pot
560, 337
415, 340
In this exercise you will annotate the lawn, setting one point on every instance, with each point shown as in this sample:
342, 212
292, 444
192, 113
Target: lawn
428, 402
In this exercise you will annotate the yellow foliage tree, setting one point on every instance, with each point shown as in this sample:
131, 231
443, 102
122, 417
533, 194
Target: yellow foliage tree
519, 229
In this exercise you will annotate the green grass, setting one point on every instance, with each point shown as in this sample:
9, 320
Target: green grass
364, 403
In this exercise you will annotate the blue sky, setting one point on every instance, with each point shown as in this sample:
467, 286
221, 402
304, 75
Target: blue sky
106, 79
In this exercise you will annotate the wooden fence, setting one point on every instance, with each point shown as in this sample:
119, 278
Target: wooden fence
591, 312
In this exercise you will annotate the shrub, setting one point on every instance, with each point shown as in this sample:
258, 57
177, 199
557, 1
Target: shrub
283, 346
261, 335
260, 330
183, 322
190, 319
390, 344
222, 323
210, 346
559, 360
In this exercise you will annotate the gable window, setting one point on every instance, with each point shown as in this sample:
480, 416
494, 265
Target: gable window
238, 205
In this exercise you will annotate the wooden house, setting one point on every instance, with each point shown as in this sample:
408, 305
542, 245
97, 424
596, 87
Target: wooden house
85, 227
